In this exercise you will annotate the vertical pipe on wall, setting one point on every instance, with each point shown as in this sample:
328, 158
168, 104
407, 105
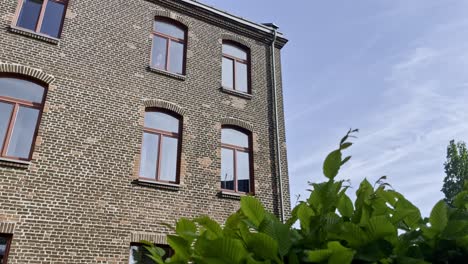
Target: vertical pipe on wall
274, 29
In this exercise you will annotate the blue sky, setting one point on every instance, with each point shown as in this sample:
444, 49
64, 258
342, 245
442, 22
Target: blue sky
395, 69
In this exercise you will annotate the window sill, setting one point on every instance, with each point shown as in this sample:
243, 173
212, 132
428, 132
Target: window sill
34, 35
166, 73
236, 93
231, 195
157, 185
20, 164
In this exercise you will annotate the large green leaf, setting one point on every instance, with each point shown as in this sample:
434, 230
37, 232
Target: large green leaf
438, 218
263, 246
253, 210
318, 255
186, 229
224, 249
180, 246
381, 227
345, 206
213, 229
375, 251
340, 255
351, 233
332, 164
279, 232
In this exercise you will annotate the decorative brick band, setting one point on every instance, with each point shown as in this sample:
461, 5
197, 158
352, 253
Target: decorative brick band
7, 228
155, 238
164, 104
25, 70
236, 122
173, 16
235, 38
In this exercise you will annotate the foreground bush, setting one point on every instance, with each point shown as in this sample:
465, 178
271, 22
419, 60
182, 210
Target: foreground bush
380, 227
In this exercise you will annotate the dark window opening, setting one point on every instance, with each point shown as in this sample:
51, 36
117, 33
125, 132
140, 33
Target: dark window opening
5, 243
160, 150
236, 68
42, 16
169, 44
236, 161
21, 104
139, 255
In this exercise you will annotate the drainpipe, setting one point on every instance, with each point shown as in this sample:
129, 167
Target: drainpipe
274, 30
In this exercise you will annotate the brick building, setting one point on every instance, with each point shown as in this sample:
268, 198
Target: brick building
118, 117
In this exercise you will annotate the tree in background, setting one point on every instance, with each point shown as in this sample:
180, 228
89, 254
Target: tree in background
456, 169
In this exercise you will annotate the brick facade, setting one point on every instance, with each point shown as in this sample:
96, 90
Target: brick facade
77, 200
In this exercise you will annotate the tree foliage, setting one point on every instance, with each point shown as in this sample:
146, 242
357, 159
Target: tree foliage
381, 226
456, 170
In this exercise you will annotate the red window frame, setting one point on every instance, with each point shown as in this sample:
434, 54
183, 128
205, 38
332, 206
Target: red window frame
40, 20
234, 68
170, 39
236, 149
8, 237
11, 123
161, 134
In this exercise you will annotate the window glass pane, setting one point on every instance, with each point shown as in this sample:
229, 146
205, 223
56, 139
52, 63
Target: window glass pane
234, 51
228, 73
227, 169
159, 53
149, 156
5, 114
176, 57
169, 29
234, 137
243, 172
23, 133
168, 159
29, 14
53, 18
241, 77
21, 89
138, 255
161, 121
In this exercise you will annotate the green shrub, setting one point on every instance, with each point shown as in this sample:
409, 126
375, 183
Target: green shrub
380, 227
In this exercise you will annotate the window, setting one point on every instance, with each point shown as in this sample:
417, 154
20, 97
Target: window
42, 16
21, 103
169, 41
5, 241
236, 161
138, 254
236, 67
160, 147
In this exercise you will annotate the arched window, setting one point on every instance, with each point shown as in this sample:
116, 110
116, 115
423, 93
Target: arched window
169, 44
236, 160
42, 16
236, 67
21, 103
161, 147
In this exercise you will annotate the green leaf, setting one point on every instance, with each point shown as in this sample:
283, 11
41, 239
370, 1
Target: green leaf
279, 232
180, 246
213, 229
332, 164
346, 145
345, 160
253, 210
186, 229
351, 233
380, 227
438, 218
304, 213
341, 255
221, 249
375, 251
345, 206
263, 246
318, 255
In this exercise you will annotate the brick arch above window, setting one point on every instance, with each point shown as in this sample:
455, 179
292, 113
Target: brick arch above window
235, 39
172, 16
26, 71
230, 121
164, 105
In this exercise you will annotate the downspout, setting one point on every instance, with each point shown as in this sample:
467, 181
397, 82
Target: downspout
276, 121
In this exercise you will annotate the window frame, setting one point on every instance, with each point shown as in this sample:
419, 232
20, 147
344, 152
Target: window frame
169, 251
161, 134
236, 149
40, 19
16, 105
234, 59
9, 238
169, 39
